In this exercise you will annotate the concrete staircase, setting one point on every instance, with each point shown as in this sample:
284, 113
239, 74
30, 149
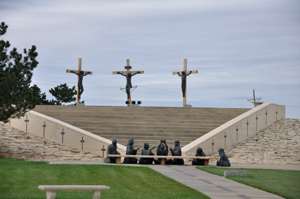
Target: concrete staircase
144, 124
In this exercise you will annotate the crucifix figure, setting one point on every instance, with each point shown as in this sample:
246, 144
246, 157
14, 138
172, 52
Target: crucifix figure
128, 73
80, 74
184, 74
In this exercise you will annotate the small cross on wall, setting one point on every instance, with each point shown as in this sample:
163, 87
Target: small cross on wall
82, 141
26, 126
62, 135
212, 146
103, 149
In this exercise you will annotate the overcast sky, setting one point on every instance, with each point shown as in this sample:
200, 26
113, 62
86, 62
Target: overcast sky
236, 45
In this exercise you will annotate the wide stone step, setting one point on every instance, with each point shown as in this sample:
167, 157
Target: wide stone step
144, 137
140, 143
145, 124
149, 134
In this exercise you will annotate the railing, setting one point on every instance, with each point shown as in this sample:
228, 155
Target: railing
237, 130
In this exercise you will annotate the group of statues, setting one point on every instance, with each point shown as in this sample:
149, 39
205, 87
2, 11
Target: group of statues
161, 150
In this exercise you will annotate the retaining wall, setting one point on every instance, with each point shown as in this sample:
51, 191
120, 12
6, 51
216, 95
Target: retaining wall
237, 130
34, 123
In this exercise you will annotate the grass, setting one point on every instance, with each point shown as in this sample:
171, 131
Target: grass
19, 180
281, 182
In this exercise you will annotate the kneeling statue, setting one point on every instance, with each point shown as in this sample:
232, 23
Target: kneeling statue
162, 149
199, 153
112, 150
146, 151
130, 150
223, 161
176, 151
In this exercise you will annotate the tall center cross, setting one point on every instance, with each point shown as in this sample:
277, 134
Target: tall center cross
183, 74
80, 74
128, 73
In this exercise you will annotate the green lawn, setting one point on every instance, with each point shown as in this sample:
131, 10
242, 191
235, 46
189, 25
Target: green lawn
280, 182
19, 180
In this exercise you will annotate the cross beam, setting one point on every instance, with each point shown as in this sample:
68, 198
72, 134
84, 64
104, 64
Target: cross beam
80, 74
184, 73
128, 73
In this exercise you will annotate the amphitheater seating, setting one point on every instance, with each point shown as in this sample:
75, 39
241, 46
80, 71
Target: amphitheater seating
145, 124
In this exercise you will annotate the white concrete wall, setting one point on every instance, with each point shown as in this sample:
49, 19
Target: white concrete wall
53, 129
237, 130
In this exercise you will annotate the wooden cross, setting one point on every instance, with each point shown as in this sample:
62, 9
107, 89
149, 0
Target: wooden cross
128, 73
82, 141
62, 135
103, 149
44, 129
183, 74
80, 74
26, 126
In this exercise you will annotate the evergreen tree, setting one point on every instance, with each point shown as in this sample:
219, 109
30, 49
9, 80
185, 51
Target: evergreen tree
40, 98
16, 94
63, 93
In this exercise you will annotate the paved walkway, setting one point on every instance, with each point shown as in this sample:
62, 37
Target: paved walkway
216, 187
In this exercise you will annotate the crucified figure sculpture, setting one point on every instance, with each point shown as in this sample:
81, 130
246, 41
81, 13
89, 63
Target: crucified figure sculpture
184, 74
128, 74
80, 74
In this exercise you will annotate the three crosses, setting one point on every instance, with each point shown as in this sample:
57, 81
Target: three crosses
128, 74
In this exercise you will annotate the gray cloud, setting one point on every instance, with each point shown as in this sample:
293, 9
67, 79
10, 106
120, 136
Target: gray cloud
236, 45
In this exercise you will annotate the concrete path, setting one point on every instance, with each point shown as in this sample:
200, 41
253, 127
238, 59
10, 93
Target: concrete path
216, 187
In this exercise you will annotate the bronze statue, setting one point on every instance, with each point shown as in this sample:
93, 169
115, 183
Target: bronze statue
146, 151
128, 73
130, 150
80, 74
223, 161
112, 150
162, 149
176, 151
199, 153
183, 75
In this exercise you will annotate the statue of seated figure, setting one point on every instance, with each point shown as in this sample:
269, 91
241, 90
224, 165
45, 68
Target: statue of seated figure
176, 151
112, 150
130, 150
199, 153
162, 149
146, 151
223, 161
